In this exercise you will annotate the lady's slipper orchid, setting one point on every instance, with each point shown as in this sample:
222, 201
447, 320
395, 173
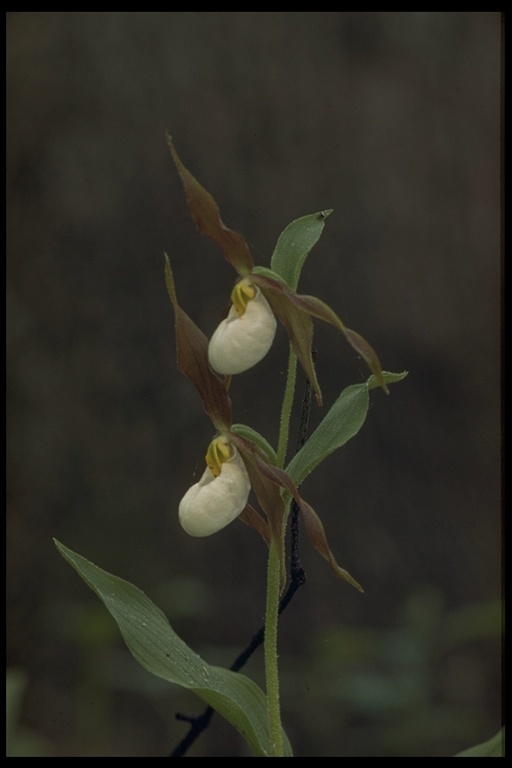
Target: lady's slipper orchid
236, 463
247, 333
220, 495
234, 349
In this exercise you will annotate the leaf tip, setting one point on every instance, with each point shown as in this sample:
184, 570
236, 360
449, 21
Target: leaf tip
169, 281
170, 143
346, 576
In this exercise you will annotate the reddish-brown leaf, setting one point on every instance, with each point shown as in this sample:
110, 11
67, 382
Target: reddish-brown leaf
192, 353
320, 309
312, 522
266, 479
205, 212
316, 533
263, 482
367, 352
297, 322
292, 307
253, 519
267, 490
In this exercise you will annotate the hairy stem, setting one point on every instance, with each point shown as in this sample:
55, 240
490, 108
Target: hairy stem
199, 723
271, 665
286, 409
273, 578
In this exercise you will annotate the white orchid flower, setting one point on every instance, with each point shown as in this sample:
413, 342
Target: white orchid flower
220, 495
247, 333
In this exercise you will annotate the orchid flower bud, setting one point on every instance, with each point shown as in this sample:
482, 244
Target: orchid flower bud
220, 495
247, 333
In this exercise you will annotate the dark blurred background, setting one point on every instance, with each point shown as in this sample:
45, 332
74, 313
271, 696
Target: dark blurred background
392, 120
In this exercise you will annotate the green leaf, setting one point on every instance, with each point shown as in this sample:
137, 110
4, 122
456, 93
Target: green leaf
156, 646
342, 422
390, 378
294, 244
493, 747
254, 437
266, 272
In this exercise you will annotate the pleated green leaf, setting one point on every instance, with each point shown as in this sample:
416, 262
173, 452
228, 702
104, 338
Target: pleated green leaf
294, 244
155, 645
344, 420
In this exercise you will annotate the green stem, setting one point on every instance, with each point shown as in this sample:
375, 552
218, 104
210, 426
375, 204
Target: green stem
286, 409
274, 579
271, 666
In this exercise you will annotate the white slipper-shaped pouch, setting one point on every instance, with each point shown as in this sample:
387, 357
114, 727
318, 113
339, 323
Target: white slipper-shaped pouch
220, 495
247, 333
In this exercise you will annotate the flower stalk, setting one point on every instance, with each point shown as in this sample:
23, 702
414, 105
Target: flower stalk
239, 460
286, 408
271, 655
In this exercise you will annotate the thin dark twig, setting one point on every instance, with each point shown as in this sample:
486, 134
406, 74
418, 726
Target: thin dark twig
199, 723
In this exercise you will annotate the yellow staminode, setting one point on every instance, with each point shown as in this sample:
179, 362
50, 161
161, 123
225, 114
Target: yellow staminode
219, 451
241, 294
